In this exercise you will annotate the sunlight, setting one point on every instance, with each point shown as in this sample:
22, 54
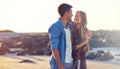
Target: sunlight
37, 16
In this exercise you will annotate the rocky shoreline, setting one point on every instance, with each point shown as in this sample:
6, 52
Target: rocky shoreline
38, 43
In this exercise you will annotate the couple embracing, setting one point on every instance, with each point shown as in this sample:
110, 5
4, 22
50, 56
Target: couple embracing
69, 39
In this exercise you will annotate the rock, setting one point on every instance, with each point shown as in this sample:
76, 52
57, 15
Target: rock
20, 53
106, 57
91, 55
26, 61
100, 55
117, 54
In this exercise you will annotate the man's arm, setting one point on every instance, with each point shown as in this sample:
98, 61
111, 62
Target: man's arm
57, 58
54, 34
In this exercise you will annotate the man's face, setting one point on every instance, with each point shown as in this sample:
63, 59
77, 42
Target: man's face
70, 15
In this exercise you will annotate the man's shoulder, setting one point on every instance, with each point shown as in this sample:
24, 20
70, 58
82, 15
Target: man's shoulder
55, 29
56, 25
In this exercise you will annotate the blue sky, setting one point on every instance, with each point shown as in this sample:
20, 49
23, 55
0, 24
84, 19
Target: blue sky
38, 15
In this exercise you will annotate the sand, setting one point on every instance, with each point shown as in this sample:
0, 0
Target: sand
42, 62
100, 65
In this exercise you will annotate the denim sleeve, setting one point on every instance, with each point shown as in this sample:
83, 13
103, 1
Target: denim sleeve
54, 34
70, 24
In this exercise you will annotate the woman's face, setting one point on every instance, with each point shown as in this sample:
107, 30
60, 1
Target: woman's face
77, 18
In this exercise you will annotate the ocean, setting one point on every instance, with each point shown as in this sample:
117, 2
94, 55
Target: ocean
115, 51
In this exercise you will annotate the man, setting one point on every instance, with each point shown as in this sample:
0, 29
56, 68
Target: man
60, 39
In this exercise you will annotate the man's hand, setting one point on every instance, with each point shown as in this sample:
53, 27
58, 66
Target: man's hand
57, 58
61, 66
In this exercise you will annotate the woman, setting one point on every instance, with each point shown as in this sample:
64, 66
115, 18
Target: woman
80, 40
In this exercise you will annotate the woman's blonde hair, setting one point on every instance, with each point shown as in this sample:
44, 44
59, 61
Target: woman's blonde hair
83, 24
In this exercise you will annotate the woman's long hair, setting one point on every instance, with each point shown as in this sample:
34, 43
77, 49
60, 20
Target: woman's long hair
83, 24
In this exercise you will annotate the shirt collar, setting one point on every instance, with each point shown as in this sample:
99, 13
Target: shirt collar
61, 23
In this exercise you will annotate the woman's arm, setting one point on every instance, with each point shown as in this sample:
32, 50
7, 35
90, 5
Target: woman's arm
85, 41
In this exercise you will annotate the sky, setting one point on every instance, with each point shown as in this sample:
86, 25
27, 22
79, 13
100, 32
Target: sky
38, 15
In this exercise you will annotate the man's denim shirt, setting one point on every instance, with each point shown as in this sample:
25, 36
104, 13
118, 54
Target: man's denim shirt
58, 41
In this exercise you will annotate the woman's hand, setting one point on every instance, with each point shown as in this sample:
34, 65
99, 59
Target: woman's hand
88, 34
86, 48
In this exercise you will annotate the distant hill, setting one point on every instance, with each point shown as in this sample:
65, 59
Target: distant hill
6, 31
105, 38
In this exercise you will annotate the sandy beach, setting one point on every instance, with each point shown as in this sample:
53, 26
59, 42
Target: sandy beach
42, 62
100, 65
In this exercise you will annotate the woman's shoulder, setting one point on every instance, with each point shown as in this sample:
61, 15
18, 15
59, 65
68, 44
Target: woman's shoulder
74, 27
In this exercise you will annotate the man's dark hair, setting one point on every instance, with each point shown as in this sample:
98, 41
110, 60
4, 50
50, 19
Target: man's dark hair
64, 8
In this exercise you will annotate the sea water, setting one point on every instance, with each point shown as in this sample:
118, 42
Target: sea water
115, 51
